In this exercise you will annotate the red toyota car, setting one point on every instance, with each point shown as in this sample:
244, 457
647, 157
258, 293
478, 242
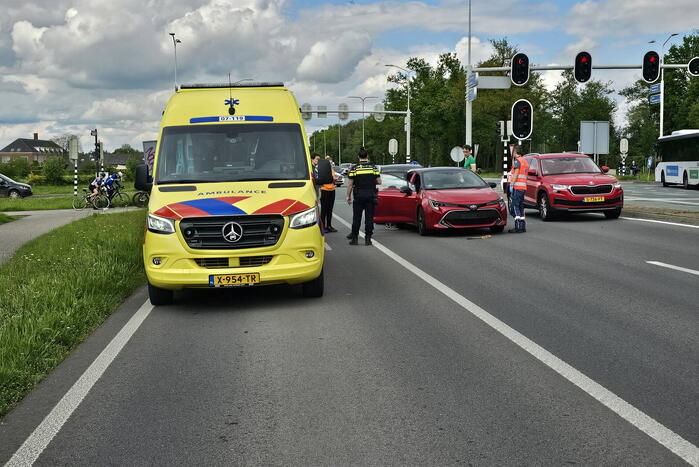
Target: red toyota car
440, 198
571, 182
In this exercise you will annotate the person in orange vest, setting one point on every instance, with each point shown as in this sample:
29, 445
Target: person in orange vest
327, 201
517, 187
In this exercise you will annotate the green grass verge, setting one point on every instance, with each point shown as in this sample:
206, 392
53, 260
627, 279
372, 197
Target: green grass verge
4, 218
55, 189
33, 204
57, 289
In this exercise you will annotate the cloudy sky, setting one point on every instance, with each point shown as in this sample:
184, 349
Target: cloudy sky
67, 66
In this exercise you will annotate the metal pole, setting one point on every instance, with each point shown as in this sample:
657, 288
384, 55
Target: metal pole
75, 177
325, 146
339, 144
363, 145
468, 78
174, 43
407, 127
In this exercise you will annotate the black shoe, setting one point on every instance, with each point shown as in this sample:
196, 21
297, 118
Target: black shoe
515, 231
367, 241
331, 229
349, 236
354, 242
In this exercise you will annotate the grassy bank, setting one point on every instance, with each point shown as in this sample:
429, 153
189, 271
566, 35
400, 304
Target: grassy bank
34, 204
57, 289
4, 218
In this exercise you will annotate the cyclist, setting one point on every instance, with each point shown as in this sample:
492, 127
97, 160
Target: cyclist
96, 184
112, 184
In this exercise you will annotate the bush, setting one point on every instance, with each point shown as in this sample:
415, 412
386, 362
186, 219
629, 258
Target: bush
18, 167
53, 170
34, 180
130, 172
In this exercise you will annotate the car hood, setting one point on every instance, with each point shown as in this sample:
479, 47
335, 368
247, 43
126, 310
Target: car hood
229, 199
580, 179
24, 185
464, 195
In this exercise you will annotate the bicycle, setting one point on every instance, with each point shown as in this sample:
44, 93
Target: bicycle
140, 199
99, 201
119, 199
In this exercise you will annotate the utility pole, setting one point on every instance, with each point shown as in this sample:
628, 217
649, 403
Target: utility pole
468, 80
339, 144
662, 81
174, 43
362, 99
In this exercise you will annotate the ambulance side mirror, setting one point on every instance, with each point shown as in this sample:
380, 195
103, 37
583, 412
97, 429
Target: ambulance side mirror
141, 182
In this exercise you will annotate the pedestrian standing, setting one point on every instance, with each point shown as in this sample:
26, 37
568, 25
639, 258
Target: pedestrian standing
327, 202
517, 188
363, 179
315, 157
469, 160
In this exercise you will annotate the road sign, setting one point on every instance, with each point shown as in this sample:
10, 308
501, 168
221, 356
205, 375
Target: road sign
342, 111
457, 154
473, 80
655, 87
594, 137
650, 162
494, 82
379, 117
624, 145
322, 111
306, 111
472, 94
654, 99
393, 146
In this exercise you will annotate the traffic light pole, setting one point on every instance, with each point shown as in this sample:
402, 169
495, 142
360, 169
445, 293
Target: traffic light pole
469, 71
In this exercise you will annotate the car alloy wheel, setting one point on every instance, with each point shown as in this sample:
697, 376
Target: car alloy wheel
14, 194
421, 225
544, 208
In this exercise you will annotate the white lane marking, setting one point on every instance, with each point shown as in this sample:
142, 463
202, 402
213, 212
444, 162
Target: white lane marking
651, 427
664, 200
35, 444
660, 222
327, 247
676, 268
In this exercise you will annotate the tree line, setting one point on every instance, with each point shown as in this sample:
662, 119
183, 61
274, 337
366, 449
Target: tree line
437, 96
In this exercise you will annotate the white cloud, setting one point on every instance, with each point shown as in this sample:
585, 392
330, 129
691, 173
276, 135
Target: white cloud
330, 61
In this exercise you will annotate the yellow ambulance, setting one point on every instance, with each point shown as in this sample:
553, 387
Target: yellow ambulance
233, 202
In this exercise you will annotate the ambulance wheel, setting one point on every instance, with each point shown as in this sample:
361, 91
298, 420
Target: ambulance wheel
159, 296
314, 288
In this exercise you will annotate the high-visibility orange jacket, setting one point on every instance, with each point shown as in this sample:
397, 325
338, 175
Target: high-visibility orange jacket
519, 174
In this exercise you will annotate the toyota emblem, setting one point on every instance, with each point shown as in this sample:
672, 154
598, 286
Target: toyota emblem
472, 207
232, 232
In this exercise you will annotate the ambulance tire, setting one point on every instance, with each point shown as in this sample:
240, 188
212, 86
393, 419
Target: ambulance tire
160, 296
314, 288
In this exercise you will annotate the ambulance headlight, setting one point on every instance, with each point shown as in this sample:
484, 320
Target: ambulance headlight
160, 225
303, 219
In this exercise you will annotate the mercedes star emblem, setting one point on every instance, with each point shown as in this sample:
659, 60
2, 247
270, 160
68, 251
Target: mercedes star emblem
232, 232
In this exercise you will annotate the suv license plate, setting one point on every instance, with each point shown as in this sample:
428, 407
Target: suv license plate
593, 199
234, 280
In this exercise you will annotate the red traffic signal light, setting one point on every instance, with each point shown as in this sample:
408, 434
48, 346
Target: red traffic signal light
583, 67
651, 66
693, 66
519, 69
522, 119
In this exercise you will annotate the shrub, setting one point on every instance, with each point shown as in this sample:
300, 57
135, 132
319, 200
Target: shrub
34, 180
53, 170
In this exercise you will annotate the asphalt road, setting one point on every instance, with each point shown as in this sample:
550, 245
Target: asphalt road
656, 196
390, 368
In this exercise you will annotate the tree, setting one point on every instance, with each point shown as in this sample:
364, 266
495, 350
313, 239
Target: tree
127, 149
64, 141
53, 170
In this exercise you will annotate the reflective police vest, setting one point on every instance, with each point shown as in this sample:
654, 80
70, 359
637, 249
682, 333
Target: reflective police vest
520, 174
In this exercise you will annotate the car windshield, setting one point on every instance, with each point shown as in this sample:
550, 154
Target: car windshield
7, 179
568, 165
391, 181
230, 153
451, 179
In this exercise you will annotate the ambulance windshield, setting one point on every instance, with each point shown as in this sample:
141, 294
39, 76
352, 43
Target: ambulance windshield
231, 152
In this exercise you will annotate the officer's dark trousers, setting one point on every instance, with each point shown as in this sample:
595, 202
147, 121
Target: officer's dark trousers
363, 202
327, 201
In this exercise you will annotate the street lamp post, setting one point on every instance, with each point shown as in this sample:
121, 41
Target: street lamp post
174, 43
407, 123
662, 81
363, 99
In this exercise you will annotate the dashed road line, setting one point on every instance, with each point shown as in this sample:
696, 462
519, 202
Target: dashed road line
672, 266
659, 432
661, 222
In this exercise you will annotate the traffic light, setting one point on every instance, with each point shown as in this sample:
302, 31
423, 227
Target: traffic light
583, 67
651, 66
522, 119
500, 128
693, 66
519, 69
97, 151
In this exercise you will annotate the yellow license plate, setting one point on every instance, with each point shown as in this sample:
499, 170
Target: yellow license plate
593, 199
233, 280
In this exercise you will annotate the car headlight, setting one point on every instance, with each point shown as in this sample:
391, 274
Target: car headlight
560, 187
617, 185
304, 219
501, 203
160, 225
436, 204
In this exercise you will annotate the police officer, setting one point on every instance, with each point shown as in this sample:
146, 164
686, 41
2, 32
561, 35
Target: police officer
363, 178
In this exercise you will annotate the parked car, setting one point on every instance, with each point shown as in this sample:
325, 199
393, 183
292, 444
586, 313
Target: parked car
339, 179
440, 198
559, 183
12, 189
400, 170
344, 168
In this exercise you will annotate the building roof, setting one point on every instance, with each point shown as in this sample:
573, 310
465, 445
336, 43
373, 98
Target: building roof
37, 146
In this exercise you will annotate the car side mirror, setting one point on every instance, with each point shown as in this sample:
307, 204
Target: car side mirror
141, 182
492, 184
406, 190
532, 172
604, 169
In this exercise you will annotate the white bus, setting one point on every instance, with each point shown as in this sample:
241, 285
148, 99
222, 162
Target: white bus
678, 158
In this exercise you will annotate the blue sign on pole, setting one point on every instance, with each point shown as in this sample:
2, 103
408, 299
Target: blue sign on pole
650, 162
655, 87
654, 99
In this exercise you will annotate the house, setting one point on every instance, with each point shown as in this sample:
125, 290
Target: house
33, 150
